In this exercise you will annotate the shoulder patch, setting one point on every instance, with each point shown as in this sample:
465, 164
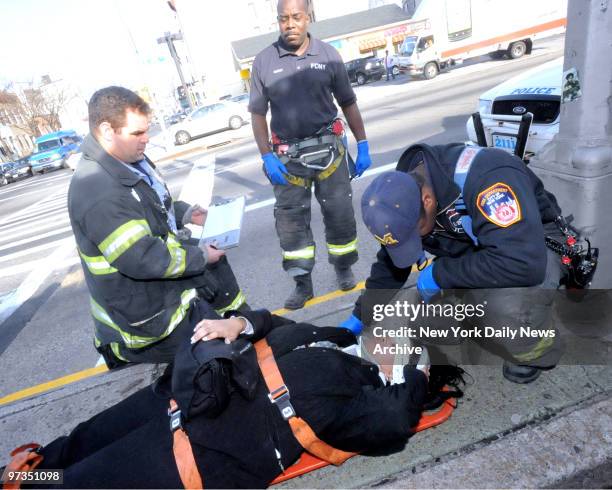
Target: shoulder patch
499, 205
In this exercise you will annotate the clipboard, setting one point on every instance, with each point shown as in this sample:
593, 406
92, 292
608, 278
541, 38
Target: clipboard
223, 224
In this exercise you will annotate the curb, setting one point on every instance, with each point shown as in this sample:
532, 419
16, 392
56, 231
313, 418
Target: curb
571, 450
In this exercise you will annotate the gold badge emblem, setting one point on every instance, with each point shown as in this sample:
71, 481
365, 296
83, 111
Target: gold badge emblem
387, 239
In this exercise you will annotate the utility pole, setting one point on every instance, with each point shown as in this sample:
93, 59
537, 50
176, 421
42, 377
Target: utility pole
577, 164
169, 40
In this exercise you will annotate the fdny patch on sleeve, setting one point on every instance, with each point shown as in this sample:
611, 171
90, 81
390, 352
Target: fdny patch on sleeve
499, 205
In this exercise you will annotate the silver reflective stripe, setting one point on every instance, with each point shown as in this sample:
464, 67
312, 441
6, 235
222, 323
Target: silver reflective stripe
303, 253
234, 305
98, 266
178, 257
135, 341
342, 249
120, 240
131, 341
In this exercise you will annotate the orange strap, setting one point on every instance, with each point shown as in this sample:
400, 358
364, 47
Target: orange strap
24, 458
183, 455
301, 430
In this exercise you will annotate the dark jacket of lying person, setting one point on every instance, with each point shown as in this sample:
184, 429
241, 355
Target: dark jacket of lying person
238, 437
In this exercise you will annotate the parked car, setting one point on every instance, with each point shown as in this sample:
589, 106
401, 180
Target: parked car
13, 171
53, 150
363, 70
537, 91
174, 118
210, 118
241, 99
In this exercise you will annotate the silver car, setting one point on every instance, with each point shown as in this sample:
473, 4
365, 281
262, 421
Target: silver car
210, 118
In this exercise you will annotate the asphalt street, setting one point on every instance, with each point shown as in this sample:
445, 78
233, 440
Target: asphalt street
40, 279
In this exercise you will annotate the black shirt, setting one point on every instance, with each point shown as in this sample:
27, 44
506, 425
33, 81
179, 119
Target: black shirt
299, 89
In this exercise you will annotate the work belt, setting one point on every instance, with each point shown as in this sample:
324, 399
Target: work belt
280, 397
323, 153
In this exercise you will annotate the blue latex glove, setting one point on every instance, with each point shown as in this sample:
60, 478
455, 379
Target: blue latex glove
363, 161
426, 284
275, 169
353, 323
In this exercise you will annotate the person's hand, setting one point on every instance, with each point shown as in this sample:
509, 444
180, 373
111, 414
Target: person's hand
275, 169
228, 329
427, 285
363, 161
213, 254
353, 323
195, 215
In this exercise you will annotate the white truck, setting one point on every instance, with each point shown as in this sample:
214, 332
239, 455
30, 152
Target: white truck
538, 92
446, 32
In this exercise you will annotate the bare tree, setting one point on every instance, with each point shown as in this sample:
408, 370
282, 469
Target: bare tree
36, 110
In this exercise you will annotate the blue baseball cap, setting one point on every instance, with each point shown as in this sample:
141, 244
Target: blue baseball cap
391, 208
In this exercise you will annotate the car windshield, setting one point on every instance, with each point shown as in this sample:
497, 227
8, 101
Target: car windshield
48, 145
408, 45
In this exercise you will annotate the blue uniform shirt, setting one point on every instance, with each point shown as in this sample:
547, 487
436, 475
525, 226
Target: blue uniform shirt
299, 90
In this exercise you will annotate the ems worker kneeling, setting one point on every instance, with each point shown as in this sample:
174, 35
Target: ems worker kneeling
482, 212
249, 410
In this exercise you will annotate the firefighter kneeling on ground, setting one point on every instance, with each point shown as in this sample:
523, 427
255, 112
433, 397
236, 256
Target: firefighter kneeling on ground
143, 272
487, 219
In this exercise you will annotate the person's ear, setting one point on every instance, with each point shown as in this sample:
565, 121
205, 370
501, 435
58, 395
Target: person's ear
105, 130
428, 198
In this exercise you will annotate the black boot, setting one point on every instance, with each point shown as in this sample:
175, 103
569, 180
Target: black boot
520, 374
301, 293
345, 278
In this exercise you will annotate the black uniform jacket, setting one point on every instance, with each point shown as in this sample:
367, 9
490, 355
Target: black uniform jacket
141, 278
340, 396
505, 256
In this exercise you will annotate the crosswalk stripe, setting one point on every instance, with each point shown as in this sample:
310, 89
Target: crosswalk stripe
31, 250
36, 237
27, 228
18, 220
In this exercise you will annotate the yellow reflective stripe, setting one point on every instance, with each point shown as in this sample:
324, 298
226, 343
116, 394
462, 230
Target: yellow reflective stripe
98, 266
342, 249
181, 311
131, 341
115, 348
303, 253
120, 240
178, 257
538, 351
237, 303
135, 341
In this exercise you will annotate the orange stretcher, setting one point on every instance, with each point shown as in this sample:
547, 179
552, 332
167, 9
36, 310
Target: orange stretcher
308, 462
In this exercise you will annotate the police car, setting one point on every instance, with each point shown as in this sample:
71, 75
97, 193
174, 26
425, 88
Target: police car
537, 91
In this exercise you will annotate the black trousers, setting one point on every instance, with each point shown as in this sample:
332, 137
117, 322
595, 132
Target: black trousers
293, 211
126, 446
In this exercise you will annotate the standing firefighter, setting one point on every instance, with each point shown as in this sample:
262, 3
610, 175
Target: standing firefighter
143, 275
296, 77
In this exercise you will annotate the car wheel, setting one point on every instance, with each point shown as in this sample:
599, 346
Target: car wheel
430, 71
3, 180
361, 79
182, 137
517, 50
395, 70
235, 122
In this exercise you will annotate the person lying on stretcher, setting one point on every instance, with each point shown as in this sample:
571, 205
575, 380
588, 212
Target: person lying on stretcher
243, 428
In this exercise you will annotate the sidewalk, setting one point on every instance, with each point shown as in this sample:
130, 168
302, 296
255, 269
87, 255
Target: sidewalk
555, 432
